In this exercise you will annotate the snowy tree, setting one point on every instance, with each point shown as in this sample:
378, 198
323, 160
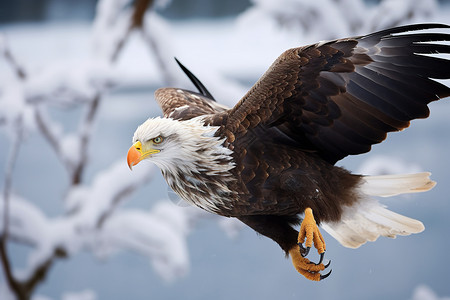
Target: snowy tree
91, 220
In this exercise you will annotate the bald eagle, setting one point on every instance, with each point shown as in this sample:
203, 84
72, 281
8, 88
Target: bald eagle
270, 160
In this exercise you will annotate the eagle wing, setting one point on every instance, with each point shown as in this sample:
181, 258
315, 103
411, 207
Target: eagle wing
341, 97
181, 104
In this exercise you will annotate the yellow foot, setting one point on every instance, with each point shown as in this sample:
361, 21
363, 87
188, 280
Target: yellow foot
310, 231
308, 269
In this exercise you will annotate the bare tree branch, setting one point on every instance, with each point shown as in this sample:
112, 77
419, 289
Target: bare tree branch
41, 272
13, 283
46, 131
20, 72
156, 50
118, 197
85, 137
141, 7
137, 19
120, 45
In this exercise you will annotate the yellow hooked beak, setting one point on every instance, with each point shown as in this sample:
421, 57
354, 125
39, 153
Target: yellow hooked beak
135, 154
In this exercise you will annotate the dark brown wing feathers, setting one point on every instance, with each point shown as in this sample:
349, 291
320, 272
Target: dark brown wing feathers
345, 95
180, 104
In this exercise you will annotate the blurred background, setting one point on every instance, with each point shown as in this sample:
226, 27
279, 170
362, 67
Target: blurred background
84, 10
76, 79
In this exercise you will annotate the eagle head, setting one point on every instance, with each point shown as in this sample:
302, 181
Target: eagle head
173, 144
157, 140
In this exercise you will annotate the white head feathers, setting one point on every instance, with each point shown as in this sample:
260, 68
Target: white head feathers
189, 151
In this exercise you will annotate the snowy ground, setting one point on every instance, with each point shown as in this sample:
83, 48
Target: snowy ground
249, 266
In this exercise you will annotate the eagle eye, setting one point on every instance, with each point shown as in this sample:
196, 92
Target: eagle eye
158, 139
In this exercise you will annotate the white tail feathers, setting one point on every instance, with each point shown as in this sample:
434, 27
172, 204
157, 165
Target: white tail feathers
362, 223
367, 219
391, 185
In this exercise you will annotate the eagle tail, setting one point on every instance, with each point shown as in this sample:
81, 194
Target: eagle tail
368, 219
391, 185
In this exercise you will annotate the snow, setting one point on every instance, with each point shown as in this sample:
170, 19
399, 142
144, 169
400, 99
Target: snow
111, 19
82, 295
298, 16
231, 226
60, 87
423, 292
27, 222
160, 240
107, 189
383, 165
159, 234
70, 146
395, 12
41, 297
12, 103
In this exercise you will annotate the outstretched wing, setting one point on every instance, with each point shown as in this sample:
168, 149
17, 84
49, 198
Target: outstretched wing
341, 97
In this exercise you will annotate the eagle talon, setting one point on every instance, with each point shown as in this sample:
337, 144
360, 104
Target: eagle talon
321, 262
322, 277
304, 251
321, 258
308, 269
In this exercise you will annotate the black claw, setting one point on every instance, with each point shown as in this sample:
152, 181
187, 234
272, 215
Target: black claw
304, 251
328, 264
321, 258
322, 277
